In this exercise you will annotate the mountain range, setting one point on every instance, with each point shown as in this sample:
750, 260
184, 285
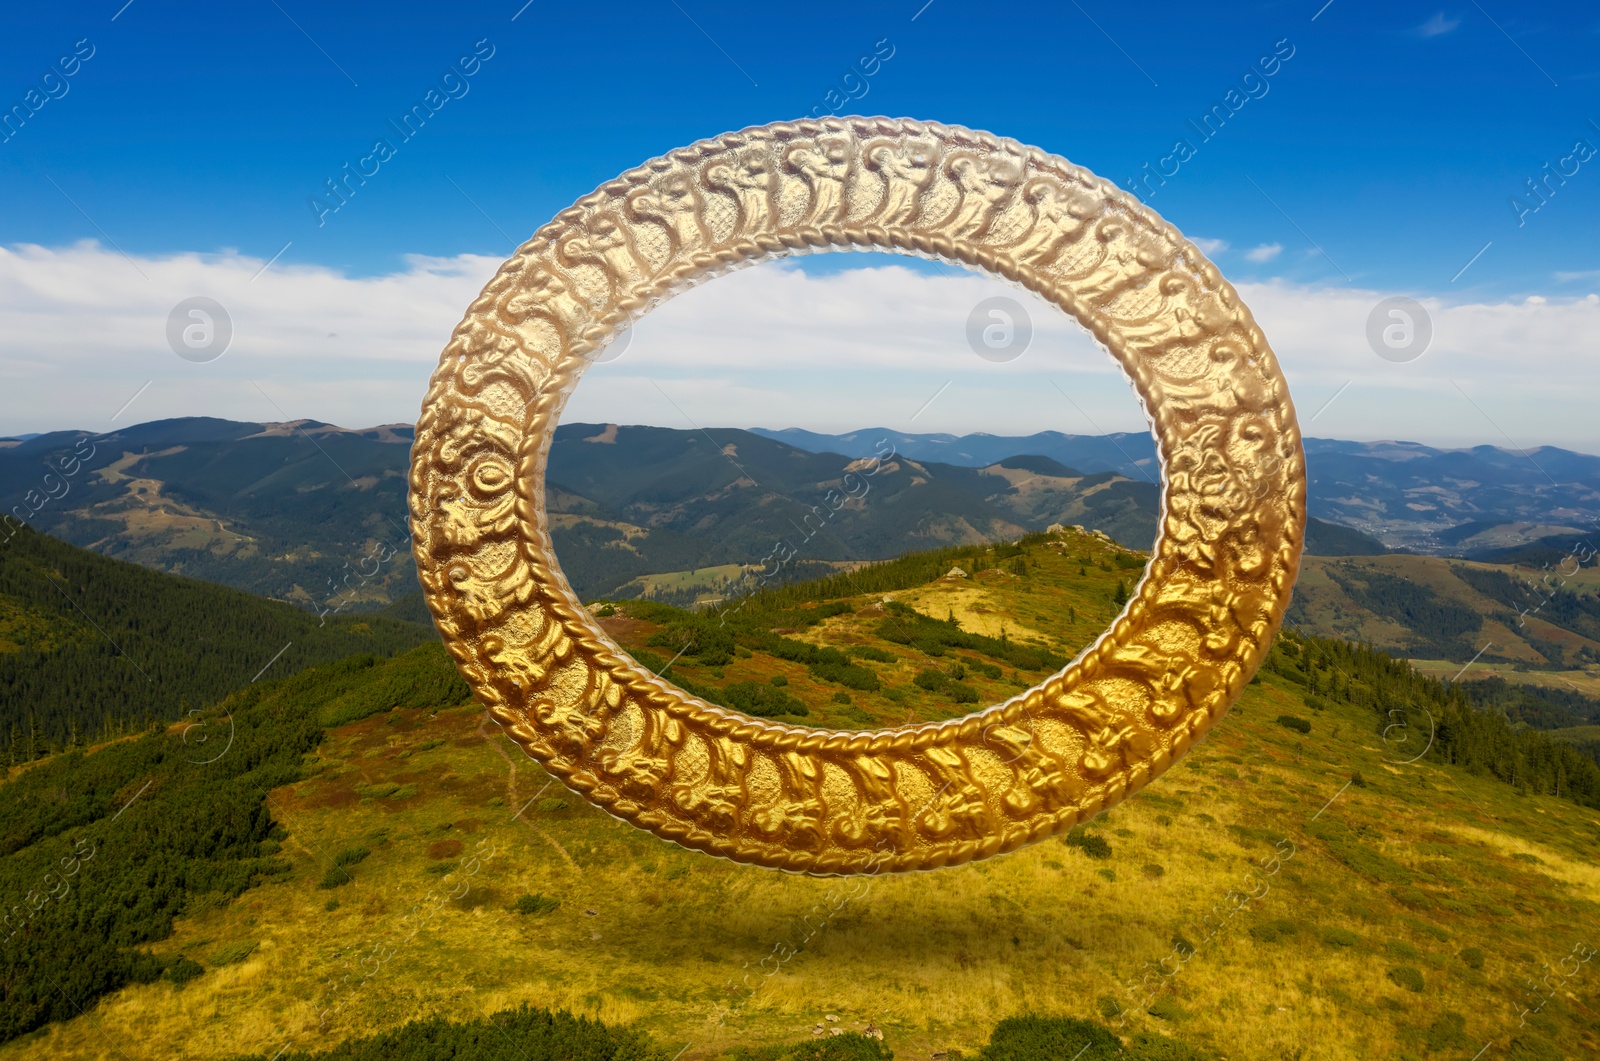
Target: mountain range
316, 514
1456, 502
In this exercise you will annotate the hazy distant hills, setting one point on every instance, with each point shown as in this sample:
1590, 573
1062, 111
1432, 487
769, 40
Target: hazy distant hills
1408, 496
1432, 608
1130, 455
1453, 502
316, 514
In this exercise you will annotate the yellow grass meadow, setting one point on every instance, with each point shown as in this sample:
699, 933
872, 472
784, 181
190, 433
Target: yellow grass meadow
682, 944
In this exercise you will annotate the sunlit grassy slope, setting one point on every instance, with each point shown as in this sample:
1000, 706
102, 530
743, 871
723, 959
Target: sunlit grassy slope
984, 624
1417, 902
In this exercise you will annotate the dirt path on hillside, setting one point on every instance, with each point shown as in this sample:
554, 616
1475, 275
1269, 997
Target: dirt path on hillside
512, 800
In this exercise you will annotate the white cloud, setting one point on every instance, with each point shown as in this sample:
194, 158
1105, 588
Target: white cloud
1209, 247
1529, 366
81, 331
1437, 26
1264, 253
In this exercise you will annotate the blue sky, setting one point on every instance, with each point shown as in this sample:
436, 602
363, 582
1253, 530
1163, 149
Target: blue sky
1393, 137
1379, 158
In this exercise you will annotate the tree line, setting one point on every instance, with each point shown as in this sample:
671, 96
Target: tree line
1469, 723
532, 1034
92, 647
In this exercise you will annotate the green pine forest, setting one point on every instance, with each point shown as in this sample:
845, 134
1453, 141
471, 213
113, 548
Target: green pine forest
92, 647
99, 852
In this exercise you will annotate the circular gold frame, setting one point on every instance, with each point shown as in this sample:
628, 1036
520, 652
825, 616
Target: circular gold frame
916, 797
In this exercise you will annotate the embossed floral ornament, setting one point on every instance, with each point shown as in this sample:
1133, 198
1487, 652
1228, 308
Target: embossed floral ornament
916, 797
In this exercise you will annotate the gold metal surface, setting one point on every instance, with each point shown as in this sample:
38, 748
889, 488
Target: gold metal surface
917, 797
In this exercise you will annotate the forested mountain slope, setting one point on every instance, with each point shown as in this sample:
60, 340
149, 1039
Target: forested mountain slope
92, 646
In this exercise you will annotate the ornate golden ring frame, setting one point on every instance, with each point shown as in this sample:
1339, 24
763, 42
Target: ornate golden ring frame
921, 796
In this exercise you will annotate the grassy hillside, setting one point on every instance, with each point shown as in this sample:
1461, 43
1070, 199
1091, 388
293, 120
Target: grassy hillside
103, 850
91, 646
927, 637
1431, 608
431, 870
1422, 868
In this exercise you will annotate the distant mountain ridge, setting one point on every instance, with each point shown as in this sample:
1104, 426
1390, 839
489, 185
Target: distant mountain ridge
317, 514
1127, 453
301, 511
626, 501
1475, 502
